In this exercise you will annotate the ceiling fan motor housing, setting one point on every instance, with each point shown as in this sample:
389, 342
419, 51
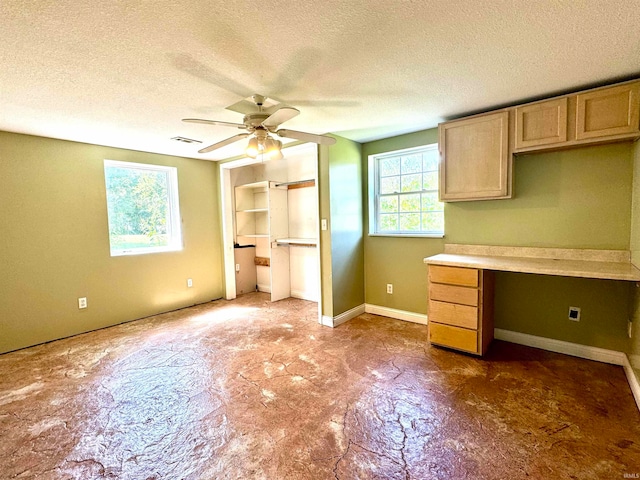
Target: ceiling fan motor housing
255, 119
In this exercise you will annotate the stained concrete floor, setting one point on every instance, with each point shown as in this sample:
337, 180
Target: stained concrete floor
250, 389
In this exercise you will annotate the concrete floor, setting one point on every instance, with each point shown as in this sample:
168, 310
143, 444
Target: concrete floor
250, 389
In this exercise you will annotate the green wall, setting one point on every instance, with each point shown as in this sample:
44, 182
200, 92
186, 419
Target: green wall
55, 244
635, 258
392, 259
578, 198
342, 253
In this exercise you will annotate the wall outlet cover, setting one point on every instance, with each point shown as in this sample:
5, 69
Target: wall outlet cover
574, 314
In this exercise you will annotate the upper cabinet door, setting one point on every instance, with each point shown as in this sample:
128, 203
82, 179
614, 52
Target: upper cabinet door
475, 159
542, 123
608, 111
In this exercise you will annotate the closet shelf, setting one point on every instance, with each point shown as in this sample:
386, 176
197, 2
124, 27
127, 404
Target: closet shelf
298, 184
254, 186
298, 241
253, 235
253, 210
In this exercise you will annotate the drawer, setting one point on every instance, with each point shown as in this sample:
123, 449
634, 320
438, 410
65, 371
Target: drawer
453, 294
454, 337
453, 314
465, 277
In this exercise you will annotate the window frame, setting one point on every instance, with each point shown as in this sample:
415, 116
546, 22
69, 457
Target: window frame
174, 219
374, 194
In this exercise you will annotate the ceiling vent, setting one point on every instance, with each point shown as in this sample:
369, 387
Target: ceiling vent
185, 140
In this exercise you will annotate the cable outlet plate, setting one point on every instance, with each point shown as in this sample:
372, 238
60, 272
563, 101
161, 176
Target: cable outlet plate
574, 314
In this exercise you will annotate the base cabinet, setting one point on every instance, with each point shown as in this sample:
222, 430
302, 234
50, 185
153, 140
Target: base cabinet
461, 308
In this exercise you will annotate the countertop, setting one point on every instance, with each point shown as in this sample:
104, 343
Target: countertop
602, 264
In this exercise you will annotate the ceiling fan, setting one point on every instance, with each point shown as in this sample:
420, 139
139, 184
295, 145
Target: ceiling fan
262, 118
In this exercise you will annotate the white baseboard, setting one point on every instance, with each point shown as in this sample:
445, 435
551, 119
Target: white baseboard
394, 313
264, 288
327, 321
305, 295
343, 317
348, 315
632, 379
576, 350
634, 361
559, 346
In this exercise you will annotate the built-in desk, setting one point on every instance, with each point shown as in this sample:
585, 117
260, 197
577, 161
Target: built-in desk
461, 284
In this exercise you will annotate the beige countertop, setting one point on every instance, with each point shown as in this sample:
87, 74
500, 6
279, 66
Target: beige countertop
603, 264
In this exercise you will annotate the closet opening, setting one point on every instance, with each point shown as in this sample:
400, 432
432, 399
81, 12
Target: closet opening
271, 220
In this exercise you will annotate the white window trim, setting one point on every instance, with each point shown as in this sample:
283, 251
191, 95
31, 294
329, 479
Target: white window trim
174, 220
373, 193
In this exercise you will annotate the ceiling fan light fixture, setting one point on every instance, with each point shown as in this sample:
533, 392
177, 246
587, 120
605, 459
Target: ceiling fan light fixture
258, 123
272, 148
269, 145
276, 153
253, 148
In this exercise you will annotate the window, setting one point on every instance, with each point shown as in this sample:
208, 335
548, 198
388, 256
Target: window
403, 193
142, 204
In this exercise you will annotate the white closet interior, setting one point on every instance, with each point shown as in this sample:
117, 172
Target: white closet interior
271, 220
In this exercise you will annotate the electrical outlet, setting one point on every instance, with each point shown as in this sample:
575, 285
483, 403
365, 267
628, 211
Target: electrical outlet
189, 283
390, 288
237, 267
323, 224
82, 302
574, 314
630, 328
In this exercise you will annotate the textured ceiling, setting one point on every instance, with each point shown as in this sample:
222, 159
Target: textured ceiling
124, 73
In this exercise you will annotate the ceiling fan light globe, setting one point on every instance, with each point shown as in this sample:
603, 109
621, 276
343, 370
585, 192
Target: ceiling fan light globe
253, 148
276, 155
270, 145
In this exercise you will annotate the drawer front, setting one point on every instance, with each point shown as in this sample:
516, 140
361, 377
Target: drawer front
454, 337
465, 277
453, 314
453, 294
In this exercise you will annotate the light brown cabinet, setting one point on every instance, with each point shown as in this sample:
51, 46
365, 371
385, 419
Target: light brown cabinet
608, 111
476, 162
461, 308
542, 123
601, 115
476, 152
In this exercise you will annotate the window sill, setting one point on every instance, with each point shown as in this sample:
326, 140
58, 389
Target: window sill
408, 235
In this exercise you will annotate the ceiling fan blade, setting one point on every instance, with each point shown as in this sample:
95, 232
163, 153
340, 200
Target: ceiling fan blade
307, 137
213, 122
224, 143
280, 116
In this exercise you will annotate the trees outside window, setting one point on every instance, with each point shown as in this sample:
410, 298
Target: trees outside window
142, 205
403, 190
